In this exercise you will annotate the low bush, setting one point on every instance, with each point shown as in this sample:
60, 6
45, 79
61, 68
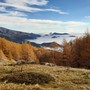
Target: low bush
28, 78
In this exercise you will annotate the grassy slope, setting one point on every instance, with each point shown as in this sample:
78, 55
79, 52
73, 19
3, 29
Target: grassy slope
65, 78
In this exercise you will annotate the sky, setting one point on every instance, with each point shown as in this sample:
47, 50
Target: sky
45, 16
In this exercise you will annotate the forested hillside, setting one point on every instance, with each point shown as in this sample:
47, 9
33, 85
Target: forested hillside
13, 52
75, 53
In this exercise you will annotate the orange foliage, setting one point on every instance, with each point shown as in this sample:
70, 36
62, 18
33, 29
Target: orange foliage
27, 52
77, 54
50, 56
15, 51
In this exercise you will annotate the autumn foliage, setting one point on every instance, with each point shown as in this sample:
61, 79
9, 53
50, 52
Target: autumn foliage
15, 51
12, 52
77, 52
50, 56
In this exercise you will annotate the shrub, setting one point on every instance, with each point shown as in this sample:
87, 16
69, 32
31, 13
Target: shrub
28, 78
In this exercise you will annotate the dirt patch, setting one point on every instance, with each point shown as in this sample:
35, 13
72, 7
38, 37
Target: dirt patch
28, 78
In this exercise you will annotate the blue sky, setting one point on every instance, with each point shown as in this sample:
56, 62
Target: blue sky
44, 16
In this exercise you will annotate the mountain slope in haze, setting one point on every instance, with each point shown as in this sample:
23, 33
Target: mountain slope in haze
16, 36
55, 37
50, 44
37, 40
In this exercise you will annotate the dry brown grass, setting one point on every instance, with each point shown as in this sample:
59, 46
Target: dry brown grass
65, 79
28, 78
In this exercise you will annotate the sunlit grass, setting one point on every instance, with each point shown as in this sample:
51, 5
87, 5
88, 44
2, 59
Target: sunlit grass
65, 79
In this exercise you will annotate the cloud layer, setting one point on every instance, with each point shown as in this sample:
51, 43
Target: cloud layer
38, 24
26, 5
13, 14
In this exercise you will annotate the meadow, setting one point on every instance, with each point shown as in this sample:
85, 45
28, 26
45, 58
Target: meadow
66, 78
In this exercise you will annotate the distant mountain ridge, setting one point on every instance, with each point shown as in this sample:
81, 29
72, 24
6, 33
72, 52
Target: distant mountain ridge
16, 36
38, 40
50, 44
59, 33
